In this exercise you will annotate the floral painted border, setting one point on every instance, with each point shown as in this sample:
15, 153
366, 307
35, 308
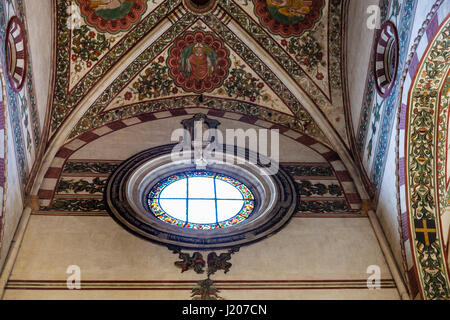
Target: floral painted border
419, 164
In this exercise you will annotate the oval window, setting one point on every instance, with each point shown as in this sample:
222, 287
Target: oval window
201, 200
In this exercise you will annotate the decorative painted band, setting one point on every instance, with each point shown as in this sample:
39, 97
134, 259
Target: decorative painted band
48, 186
421, 232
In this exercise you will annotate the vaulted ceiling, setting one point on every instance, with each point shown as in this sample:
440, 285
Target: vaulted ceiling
279, 61
117, 59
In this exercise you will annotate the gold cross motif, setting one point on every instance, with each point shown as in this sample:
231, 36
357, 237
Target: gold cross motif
425, 231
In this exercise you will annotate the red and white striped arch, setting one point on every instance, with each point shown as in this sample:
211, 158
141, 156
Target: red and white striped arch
16, 54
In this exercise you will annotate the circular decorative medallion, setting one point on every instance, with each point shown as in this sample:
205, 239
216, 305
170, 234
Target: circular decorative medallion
198, 62
229, 203
112, 15
386, 59
201, 200
288, 17
16, 54
200, 6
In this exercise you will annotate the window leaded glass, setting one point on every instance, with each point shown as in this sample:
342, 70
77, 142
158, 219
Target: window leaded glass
201, 200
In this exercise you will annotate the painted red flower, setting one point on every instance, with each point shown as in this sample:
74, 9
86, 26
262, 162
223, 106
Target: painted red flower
175, 90
74, 57
260, 85
319, 75
89, 64
161, 59
128, 95
284, 42
91, 34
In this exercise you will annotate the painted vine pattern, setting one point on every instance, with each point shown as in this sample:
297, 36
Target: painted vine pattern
277, 52
63, 103
303, 121
76, 186
423, 129
68, 205
307, 51
247, 87
306, 188
314, 170
322, 206
88, 46
89, 167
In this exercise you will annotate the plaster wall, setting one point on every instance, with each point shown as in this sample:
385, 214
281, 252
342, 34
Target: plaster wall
307, 249
14, 201
359, 51
39, 24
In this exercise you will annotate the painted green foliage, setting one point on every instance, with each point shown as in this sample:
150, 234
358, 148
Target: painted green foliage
89, 167
78, 205
306, 188
322, 206
307, 50
76, 186
242, 84
88, 45
422, 162
315, 170
155, 81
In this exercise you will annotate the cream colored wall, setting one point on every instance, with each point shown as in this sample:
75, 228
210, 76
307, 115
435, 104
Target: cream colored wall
359, 50
158, 132
14, 201
39, 23
307, 249
387, 209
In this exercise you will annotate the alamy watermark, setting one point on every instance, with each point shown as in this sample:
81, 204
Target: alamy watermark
374, 280
74, 278
208, 146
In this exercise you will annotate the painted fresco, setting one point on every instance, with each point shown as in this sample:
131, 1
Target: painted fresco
303, 56
20, 96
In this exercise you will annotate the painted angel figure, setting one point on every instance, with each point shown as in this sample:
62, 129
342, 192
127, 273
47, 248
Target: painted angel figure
111, 9
198, 61
105, 4
291, 8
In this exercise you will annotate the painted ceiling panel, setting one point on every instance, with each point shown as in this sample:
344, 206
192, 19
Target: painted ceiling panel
267, 59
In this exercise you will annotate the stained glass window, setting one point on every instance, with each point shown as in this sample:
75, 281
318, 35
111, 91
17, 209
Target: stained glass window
201, 199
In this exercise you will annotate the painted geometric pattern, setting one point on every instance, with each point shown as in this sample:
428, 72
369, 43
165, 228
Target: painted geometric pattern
22, 104
16, 54
305, 59
423, 167
376, 120
187, 285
